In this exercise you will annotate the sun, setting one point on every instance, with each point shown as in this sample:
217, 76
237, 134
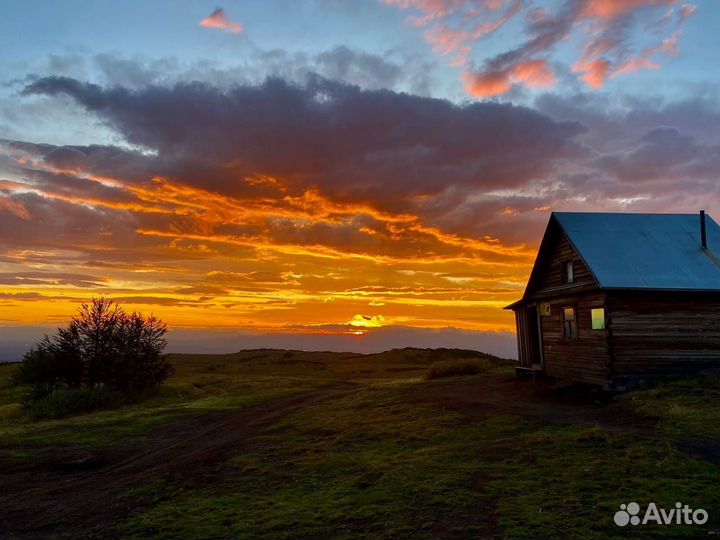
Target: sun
366, 321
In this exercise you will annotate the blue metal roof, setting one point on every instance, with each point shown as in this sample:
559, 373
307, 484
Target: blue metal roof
645, 251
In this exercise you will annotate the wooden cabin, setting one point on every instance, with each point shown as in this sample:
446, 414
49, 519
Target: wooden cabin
613, 298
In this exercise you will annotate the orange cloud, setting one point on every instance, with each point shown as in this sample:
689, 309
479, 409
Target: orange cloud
687, 10
596, 69
456, 27
431, 8
612, 9
446, 40
219, 20
217, 232
531, 73
604, 59
594, 73
486, 84
268, 281
14, 208
633, 65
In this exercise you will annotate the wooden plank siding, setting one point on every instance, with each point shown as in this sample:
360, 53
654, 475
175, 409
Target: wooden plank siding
525, 350
585, 358
550, 280
663, 332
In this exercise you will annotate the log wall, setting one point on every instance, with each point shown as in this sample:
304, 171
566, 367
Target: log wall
583, 359
664, 332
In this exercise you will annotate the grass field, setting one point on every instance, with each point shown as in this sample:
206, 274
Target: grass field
294, 445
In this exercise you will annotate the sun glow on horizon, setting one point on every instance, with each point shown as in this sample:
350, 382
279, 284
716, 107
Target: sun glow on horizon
373, 321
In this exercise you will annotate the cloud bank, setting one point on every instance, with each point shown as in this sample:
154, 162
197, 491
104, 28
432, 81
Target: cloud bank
322, 208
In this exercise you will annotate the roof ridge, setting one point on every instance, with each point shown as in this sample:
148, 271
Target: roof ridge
629, 213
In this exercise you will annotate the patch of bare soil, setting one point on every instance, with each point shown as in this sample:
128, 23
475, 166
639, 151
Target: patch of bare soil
77, 496
538, 400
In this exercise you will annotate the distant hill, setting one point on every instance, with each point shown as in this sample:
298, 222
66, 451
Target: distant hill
388, 363
16, 340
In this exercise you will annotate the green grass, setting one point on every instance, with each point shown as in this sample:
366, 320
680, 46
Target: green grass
684, 407
370, 465
106, 428
201, 383
571, 481
385, 461
68, 402
457, 368
197, 387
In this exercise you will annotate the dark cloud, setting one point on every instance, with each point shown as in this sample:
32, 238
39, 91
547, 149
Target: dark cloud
72, 65
618, 120
134, 72
469, 169
395, 69
60, 224
357, 67
332, 135
657, 155
392, 151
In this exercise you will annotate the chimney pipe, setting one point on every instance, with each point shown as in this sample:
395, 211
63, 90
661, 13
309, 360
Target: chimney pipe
703, 233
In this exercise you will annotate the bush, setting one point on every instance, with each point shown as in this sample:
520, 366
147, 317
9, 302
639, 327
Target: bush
37, 370
103, 348
457, 368
66, 402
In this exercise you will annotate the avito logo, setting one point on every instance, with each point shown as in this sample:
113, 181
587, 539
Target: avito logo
680, 515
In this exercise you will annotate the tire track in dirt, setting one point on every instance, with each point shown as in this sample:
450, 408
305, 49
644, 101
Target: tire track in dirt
52, 500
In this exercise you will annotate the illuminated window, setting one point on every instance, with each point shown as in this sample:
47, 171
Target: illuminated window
567, 271
569, 323
598, 318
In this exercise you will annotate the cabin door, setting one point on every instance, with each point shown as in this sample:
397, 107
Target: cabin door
533, 321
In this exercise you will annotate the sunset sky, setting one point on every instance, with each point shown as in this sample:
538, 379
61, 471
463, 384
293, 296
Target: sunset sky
344, 174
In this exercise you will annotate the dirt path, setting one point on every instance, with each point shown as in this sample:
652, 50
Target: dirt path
81, 495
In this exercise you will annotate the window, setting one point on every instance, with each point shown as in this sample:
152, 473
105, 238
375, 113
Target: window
567, 272
569, 323
598, 318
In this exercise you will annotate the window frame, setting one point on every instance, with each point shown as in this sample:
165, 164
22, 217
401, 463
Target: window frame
569, 326
567, 272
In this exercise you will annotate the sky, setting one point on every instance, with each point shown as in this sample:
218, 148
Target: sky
333, 174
